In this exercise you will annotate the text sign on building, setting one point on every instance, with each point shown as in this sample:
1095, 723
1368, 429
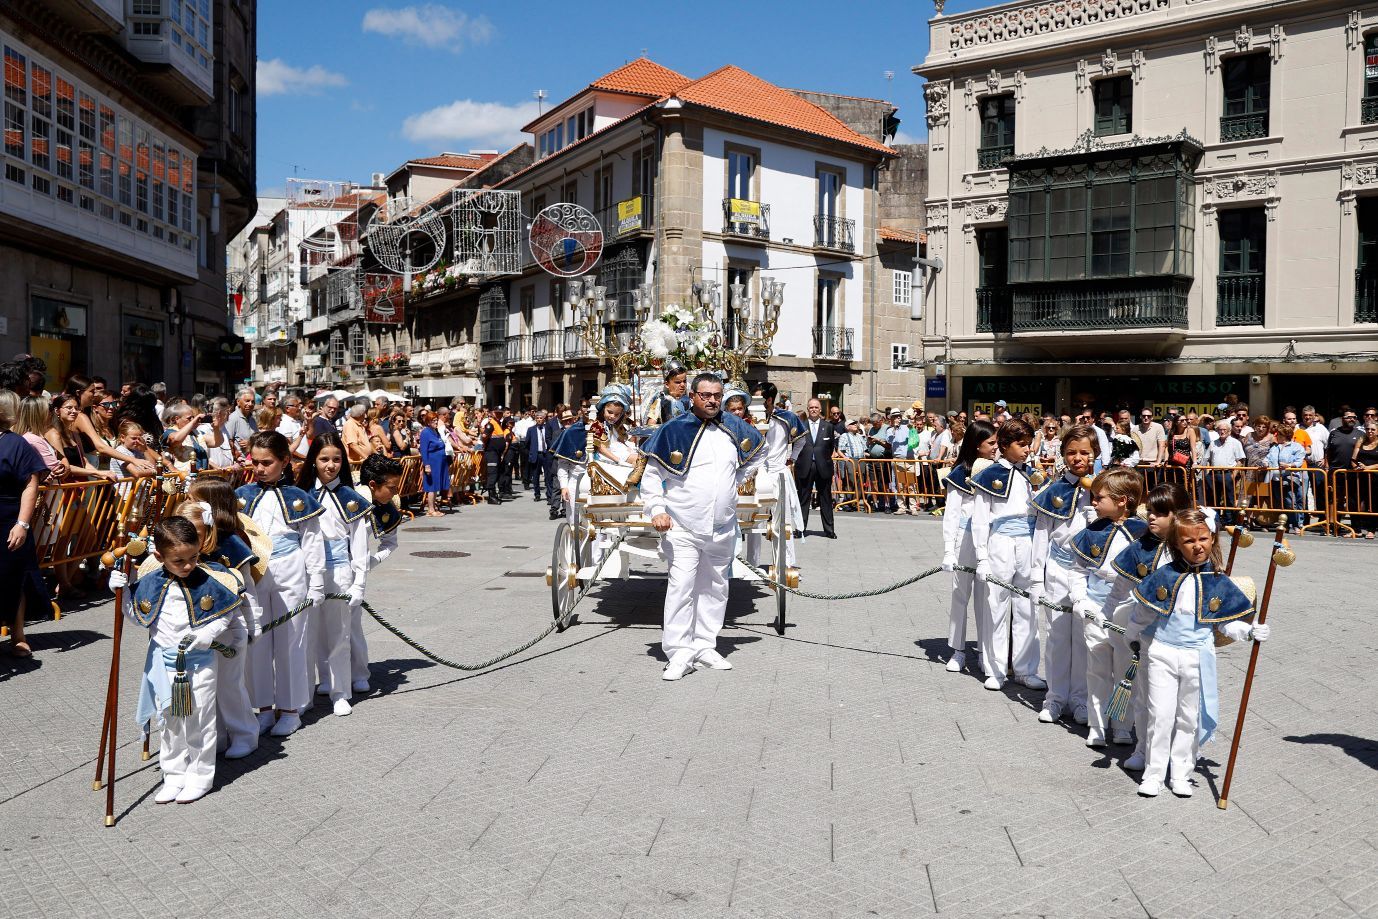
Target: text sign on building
741, 211
629, 216
935, 388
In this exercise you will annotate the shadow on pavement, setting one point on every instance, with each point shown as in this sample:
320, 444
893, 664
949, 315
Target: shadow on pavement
1362, 749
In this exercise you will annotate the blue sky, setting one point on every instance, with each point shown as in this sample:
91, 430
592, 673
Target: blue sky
348, 88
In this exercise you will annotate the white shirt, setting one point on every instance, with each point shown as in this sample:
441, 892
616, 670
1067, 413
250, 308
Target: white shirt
218, 456
1049, 532
779, 450
1077, 578
288, 427
520, 429
1320, 436
174, 622
703, 501
940, 443
268, 515
813, 429
986, 509
333, 526
1225, 452
1104, 440
444, 431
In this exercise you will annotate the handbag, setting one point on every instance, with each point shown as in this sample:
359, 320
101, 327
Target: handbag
1180, 458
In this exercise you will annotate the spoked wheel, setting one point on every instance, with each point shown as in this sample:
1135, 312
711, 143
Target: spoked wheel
782, 532
562, 576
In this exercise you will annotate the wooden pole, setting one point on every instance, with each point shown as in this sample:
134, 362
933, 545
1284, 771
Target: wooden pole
1234, 549
111, 683
112, 702
1279, 545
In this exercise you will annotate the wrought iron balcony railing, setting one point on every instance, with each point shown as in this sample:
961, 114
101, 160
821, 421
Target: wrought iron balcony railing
518, 349
1244, 127
545, 346
994, 309
625, 219
1159, 303
745, 218
1368, 110
1239, 300
493, 354
992, 157
575, 346
832, 343
834, 233
1365, 296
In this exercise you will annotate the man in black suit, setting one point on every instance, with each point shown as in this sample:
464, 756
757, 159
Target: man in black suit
814, 467
537, 453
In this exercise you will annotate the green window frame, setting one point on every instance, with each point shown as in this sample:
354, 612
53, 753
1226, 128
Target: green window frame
997, 130
1247, 84
1114, 103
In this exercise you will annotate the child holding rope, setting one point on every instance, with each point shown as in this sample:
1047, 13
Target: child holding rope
1141, 558
1180, 606
1115, 495
1002, 534
296, 575
344, 532
382, 479
185, 606
211, 499
978, 445
1063, 509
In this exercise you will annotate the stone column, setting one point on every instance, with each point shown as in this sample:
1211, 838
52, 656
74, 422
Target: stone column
679, 206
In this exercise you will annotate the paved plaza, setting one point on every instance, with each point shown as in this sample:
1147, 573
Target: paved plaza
837, 772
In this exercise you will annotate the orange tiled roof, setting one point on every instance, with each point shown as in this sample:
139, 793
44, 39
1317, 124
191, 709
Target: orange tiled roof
454, 160
897, 235
642, 77
733, 90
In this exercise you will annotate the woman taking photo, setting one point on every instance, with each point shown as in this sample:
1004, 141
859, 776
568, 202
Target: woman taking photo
95, 425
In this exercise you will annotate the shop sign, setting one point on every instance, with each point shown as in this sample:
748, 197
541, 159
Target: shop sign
935, 388
629, 216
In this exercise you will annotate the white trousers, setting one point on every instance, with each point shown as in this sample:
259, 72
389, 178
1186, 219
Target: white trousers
1066, 655
1139, 700
332, 634
186, 751
232, 702
277, 659
1174, 711
967, 591
696, 595
1011, 627
1107, 659
358, 646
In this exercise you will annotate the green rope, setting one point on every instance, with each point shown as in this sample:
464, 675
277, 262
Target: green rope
853, 595
1000, 582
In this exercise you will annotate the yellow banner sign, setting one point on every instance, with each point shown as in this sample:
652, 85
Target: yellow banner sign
629, 215
742, 211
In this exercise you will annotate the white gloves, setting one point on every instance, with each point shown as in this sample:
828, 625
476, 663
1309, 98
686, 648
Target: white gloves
315, 596
1239, 630
949, 561
200, 641
356, 596
1260, 632
1089, 515
118, 579
1087, 609
983, 569
1035, 594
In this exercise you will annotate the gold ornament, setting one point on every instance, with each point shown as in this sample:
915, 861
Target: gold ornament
145, 606
136, 547
243, 503
1214, 605
207, 603
1162, 593
1036, 478
746, 443
1085, 482
1058, 502
352, 506
1143, 570
578, 454
676, 457
299, 505
998, 484
1284, 557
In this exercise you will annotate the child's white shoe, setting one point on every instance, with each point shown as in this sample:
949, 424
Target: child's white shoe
241, 748
1181, 788
1149, 788
265, 722
1080, 714
994, 684
287, 724
1095, 740
362, 686
1051, 712
342, 707
1122, 738
956, 662
192, 793
168, 793
1135, 763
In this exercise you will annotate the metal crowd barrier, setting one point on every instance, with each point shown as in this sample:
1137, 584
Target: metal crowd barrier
1259, 495
1354, 495
846, 484
890, 481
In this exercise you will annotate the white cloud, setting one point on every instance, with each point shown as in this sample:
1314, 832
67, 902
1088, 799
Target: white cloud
430, 25
486, 123
276, 77
904, 137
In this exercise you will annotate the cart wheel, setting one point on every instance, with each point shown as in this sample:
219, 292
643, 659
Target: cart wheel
564, 582
782, 538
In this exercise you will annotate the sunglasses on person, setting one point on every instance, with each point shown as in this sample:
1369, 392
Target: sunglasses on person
109, 403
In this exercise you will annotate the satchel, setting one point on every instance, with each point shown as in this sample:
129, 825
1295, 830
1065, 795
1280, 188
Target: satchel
1180, 458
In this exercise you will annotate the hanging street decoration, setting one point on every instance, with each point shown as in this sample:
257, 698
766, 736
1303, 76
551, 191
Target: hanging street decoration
566, 240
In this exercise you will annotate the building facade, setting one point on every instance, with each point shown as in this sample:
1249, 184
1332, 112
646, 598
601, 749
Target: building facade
1152, 202
127, 163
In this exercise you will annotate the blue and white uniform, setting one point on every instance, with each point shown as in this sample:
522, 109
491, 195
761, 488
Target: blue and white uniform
959, 549
1061, 511
344, 526
1002, 534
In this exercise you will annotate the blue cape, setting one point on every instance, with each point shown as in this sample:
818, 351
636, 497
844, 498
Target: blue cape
673, 444
569, 446
297, 505
1218, 599
1090, 544
207, 598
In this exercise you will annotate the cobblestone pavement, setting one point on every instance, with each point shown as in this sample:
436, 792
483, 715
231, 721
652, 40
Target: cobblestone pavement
838, 772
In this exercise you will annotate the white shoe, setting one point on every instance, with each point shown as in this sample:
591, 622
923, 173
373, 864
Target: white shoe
675, 670
1032, 681
1095, 740
1181, 788
287, 724
1080, 715
1135, 763
1149, 788
362, 686
241, 748
342, 707
712, 660
994, 684
191, 793
168, 793
1052, 711
956, 662
1121, 737
265, 722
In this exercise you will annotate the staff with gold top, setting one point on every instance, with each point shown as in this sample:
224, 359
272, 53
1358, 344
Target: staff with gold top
695, 464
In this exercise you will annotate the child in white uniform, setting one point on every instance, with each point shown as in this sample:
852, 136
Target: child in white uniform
296, 575
1180, 606
1064, 509
382, 479
978, 446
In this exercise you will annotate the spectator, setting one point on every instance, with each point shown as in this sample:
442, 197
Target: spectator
1047, 445
21, 469
897, 438
1219, 483
65, 439
325, 416
1339, 419
1150, 439
1365, 471
290, 426
1319, 433
1182, 444
1258, 491
837, 420
1286, 459
355, 435
180, 440
131, 440
1340, 450
851, 445
33, 420
241, 426
435, 469
399, 434
159, 391
211, 430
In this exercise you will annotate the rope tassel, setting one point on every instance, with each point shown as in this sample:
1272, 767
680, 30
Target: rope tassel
182, 703
1118, 709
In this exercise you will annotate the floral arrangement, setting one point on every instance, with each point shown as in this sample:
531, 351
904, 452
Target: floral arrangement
678, 334
443, 276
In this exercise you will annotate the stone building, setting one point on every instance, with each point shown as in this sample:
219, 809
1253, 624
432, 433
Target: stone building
127, 163
1156, 202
